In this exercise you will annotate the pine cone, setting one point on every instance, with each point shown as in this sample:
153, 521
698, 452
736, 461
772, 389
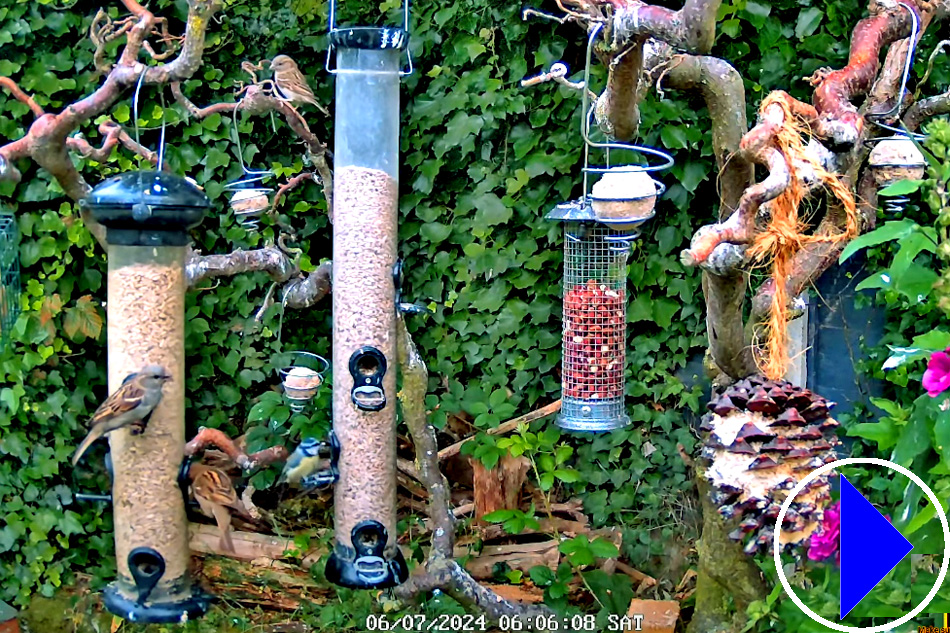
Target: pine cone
762, 438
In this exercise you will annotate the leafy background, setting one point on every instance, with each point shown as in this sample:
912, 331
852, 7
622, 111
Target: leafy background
484, 160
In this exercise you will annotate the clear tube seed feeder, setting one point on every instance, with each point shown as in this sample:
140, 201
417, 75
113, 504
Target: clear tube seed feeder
365, 221
599, 231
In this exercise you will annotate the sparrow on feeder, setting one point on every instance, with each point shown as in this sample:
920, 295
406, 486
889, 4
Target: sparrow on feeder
215, 494
130, 404
291, 85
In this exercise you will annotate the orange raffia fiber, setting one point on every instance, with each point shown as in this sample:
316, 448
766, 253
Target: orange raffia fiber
784, 236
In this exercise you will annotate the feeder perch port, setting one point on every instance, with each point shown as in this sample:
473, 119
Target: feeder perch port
365, 228
147, 215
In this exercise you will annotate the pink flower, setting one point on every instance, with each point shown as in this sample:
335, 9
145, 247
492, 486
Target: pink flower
937, 375
824, 542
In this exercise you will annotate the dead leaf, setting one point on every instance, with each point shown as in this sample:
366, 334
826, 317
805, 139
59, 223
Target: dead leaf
117, 623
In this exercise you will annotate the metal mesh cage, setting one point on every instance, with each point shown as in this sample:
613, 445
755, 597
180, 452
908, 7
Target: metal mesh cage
9, 276
594, 327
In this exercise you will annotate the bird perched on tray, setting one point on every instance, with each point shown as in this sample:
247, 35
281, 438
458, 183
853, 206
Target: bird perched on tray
290, 84
131, 404
215, 494
303, 462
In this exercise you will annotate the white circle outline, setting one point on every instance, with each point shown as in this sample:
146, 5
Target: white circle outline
776, 546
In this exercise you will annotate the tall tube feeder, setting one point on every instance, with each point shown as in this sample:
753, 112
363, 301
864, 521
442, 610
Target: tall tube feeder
599, 231
365, 210
147, 215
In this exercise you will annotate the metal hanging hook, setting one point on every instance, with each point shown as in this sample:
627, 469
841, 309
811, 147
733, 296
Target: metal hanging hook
905, 77
587, 113
135, 114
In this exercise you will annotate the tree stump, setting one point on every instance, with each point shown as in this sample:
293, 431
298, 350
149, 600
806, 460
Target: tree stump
499, 488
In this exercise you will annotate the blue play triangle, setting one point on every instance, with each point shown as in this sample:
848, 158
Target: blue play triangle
870, 547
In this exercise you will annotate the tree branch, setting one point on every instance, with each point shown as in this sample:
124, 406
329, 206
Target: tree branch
21, 96
215, 438
692, 28
113, 134
926, 108
441, 572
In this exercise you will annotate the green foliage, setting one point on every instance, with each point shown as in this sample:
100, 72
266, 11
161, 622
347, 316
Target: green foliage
484, 160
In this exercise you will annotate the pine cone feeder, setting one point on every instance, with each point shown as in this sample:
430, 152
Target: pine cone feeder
762, 438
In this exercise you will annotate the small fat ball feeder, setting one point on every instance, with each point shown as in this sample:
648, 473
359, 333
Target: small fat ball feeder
147, 215
301, 375
365, 223
250, 199
897, 157
9, 275
599, 231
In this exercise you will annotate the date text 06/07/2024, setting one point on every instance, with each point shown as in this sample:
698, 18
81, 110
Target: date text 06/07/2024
580, 623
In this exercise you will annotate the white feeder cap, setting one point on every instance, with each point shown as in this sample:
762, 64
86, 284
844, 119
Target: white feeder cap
624, 183
897, 151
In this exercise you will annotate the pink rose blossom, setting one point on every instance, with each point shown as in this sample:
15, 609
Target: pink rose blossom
825, 541
937, 375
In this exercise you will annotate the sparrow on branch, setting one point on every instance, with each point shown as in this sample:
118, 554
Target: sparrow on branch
290, 84
215, 494
131, 404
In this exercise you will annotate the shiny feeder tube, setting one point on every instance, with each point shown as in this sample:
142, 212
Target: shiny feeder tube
365, 218
147, 216
301, 375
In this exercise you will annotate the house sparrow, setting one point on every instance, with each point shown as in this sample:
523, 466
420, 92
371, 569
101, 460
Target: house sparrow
304, 461
215, 494
130, 404
290, 84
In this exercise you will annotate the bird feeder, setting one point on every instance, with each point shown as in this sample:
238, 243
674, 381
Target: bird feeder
9, 275
896, 158
301, 377
147, 215
599, 231
249, 197
365, 215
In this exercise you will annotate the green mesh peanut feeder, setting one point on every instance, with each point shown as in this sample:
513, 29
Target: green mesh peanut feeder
9, 276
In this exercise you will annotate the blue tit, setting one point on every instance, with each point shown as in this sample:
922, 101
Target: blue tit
303, 462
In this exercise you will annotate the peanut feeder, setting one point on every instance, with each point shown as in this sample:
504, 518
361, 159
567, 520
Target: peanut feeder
365, 215
599, 231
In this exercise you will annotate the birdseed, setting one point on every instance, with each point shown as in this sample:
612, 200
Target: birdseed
146, 311
364, 253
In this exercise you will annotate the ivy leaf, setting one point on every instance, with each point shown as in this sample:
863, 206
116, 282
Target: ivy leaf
884, 432
808, 21
674, 137
499, 516
83, 320
51, 306
491, 210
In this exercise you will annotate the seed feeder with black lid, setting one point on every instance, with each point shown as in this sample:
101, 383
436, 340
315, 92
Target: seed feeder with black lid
599, 231
147, 215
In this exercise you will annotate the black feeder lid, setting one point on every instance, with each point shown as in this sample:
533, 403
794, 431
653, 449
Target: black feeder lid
148, 208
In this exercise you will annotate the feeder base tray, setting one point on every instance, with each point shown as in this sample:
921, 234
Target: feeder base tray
156, 613
592, 417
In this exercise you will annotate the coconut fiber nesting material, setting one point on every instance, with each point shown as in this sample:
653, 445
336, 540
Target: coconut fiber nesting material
761, 438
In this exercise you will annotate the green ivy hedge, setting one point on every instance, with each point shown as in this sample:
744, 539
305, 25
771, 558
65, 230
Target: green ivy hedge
484, 160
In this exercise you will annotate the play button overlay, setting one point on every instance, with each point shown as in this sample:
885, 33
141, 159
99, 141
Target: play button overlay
870, 546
